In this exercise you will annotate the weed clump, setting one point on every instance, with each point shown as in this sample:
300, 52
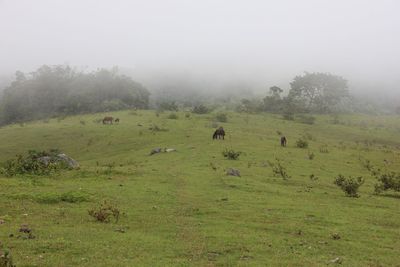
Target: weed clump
231, 154
5, 257
278, 169
349, 185
105, 212
301, 143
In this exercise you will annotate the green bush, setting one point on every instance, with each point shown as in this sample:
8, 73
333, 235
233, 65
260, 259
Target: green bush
306, 119
32, 163
105, 212
221, 117
200, 109
173, 116
349, 185
279, 170
231, 154
388, 181
301, 143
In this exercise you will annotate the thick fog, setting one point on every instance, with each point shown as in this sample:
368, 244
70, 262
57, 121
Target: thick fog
257, 43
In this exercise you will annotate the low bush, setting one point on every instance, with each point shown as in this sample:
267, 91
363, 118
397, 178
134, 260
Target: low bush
349, 185
200, 109
105, 212
173, 116
221, 117
306, 119
231, 154
36, 163
387, 181
279, 170
301, 143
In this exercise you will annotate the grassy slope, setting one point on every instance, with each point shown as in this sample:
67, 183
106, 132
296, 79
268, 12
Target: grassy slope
179, 211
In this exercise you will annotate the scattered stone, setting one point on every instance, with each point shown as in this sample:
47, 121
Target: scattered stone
336, 260
233, 172
120, 230
170, 150
2, 221
155, 151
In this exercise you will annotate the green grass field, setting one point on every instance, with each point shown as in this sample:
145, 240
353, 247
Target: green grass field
181, 209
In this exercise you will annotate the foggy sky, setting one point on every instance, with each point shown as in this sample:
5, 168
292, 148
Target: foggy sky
268, 42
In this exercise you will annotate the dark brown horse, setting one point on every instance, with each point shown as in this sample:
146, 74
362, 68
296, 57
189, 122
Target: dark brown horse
219, 133
108, 120
283, 141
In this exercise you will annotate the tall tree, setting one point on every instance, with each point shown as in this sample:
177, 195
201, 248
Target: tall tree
318, 91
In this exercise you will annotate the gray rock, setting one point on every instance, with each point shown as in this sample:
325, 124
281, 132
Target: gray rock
155, 151
170, 150
233, 172
71, 163
45, 160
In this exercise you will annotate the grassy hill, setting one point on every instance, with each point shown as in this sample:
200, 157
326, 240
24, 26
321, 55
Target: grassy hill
181, 209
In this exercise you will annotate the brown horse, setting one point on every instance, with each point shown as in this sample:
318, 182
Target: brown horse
219, 133
108, 120
283, 141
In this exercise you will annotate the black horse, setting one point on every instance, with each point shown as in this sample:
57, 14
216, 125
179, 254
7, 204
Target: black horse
283, 141
219, 133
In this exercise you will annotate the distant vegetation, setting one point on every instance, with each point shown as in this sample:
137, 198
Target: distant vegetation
61, 90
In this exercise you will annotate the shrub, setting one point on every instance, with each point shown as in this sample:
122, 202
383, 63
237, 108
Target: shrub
200, 109
36, 163
279, 170
306, 119
221, 117
323, 149
313, 177
231, 154
349, 185
288, 116
187, 115
301, 143
5, 258
311, 155
173, 116
388, 181
105, 212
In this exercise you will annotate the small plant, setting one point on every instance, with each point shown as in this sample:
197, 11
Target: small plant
187, 115
5, 257
324, 149
278, 169
82, 122
278, 132
301, 143
105, 212
349, 185
313, 177
311, 155
221, 117
387, 181
173, 116
231, 154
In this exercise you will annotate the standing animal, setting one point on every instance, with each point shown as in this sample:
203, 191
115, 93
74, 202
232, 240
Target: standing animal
108, 120
219, 133
283, 141
116, 120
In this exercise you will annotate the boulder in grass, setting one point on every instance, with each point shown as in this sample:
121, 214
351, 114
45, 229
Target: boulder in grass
70, 162
233, 172
155, 151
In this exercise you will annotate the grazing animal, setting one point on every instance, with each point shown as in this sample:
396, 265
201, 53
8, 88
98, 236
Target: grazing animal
219, 133
108, 120
283, 141
116, 120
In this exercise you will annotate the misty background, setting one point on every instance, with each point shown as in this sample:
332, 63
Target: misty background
210, 46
